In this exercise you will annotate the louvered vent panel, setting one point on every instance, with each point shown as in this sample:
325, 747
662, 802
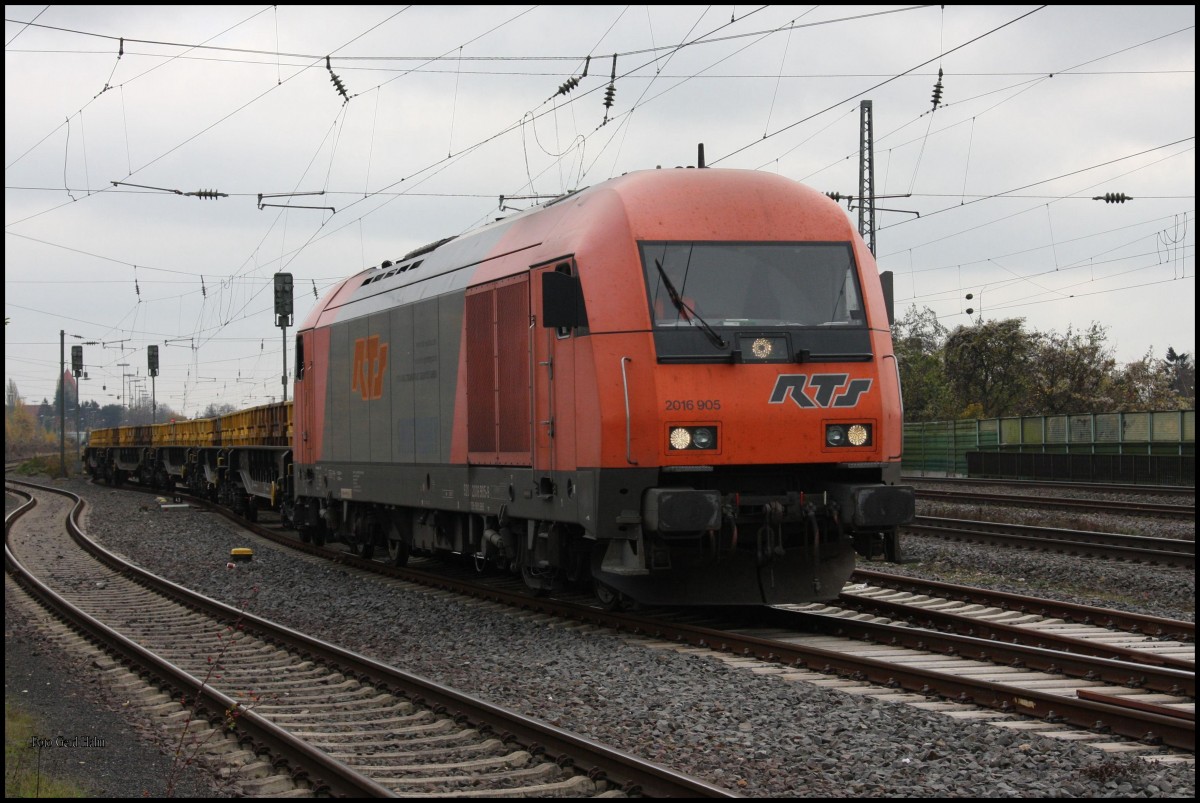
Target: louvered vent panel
481, 371
512, 316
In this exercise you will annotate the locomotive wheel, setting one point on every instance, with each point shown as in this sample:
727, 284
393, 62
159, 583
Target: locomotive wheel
610, 598
397, 552
534, 581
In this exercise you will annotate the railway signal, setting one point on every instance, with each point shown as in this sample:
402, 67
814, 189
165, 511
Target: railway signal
283, 296
283, 316
152, 364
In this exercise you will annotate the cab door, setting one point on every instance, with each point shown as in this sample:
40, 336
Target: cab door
306, 441
554, 420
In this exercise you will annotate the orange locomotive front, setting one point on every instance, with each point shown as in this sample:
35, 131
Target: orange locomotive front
676, 385
747, 397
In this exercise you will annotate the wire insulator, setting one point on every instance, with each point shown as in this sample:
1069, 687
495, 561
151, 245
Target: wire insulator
337, 84
1113, 198
568, 86
937, 90
612, 87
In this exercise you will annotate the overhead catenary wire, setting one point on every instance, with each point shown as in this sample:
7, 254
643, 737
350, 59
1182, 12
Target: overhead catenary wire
410, 188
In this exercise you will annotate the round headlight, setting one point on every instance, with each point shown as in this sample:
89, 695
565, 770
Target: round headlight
680, 439
835, 436
857, 434
703, 438
761, 348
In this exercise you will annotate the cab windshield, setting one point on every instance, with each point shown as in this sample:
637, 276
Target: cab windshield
721, 285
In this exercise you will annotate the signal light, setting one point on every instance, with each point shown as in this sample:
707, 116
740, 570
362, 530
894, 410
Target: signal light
152, 360
283, 294
77, 360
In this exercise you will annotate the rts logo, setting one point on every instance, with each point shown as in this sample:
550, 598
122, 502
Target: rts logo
370, 361
820, 391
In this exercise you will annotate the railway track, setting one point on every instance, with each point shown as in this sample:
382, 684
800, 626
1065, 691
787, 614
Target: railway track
1021, 686
1132, 690
337, 722
1163, 551
1143, 699
1140, 490
1120, 508
954, 596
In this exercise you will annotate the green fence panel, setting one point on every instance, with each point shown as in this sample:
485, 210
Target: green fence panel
940, 448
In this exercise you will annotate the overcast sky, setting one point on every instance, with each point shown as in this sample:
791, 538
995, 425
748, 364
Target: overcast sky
443, 110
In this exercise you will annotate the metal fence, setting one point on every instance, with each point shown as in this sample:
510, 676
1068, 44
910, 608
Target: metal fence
941, 448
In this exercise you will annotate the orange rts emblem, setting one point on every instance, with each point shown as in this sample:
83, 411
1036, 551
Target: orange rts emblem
370, 359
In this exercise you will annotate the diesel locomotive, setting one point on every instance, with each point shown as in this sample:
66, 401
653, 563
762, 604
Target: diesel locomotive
676, 385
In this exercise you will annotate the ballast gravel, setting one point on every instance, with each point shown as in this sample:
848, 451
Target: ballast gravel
757, 735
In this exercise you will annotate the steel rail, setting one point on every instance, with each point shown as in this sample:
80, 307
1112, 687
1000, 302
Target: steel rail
1156, 626
1148, 490
1165, 551
331, 776
631, 774
1187, 512
949, 621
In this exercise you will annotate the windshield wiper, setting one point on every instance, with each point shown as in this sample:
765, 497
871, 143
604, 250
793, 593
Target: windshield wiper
687, 311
